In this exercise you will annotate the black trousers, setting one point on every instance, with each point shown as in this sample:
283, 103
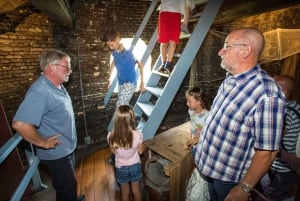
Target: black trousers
63, 177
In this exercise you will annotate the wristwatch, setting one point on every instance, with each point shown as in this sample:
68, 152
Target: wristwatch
246, 188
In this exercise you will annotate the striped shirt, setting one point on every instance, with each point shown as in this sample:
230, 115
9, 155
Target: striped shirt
289, 140
246, 114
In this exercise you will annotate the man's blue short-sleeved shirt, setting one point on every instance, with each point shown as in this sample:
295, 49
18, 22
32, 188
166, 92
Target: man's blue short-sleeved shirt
50, 110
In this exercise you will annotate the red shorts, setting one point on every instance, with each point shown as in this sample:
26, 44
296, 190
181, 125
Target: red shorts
169, 27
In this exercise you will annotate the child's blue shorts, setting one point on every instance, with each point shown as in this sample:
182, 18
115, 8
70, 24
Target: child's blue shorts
125, 174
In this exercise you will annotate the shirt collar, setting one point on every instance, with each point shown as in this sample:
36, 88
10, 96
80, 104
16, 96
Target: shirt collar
243, 76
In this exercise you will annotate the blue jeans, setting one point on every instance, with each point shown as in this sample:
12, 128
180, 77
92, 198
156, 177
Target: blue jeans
63, 177
125, 174
218, 189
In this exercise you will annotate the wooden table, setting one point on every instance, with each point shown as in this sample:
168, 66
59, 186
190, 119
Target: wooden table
169, 145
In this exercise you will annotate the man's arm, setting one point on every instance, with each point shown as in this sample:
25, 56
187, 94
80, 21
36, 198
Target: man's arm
29, 133
260, 164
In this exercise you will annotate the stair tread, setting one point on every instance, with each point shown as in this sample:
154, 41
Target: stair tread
184, 35
157, 91
159, 73
147, 107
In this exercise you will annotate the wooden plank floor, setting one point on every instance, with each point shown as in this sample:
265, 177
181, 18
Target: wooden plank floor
96, 178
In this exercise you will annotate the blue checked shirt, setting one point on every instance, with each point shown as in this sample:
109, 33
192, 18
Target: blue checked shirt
246, 114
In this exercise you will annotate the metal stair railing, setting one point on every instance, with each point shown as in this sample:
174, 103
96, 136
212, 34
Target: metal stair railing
155, 112
32, 172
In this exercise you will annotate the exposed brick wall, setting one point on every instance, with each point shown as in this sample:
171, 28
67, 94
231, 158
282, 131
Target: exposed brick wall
19, 57
20, 50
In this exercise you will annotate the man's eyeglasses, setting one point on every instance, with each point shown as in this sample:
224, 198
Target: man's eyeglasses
65, 67
226, 45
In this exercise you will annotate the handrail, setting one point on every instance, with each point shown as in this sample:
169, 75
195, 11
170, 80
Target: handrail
31, 173
25, 181
9, 146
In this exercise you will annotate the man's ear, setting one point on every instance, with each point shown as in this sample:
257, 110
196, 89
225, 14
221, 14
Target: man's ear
246, 51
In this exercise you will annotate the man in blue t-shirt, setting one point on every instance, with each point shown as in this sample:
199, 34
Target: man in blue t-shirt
46, 119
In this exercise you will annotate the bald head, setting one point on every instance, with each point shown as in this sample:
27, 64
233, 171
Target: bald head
253, 37
286, 83
241, 50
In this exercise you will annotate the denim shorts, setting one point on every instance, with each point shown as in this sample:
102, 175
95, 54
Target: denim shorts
125, 174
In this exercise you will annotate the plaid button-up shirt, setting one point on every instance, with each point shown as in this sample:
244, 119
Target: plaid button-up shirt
246, 114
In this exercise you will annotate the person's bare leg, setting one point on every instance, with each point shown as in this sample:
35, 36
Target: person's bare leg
163, 51
184, 25
171, 51
186, 17
125, 192
136, 189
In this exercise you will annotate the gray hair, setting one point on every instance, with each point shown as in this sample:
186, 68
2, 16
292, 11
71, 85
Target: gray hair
52, 57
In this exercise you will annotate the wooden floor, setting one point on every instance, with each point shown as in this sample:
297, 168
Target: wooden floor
96, 178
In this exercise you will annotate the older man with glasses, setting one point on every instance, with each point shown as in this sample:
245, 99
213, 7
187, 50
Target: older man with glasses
46, 119
242, 134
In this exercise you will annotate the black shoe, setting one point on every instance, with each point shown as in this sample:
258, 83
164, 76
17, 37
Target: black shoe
164, 71
80, 197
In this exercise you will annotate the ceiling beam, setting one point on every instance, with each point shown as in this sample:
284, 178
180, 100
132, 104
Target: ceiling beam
58, 11
232, 10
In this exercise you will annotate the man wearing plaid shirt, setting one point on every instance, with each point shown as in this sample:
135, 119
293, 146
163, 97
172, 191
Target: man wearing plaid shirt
243, 131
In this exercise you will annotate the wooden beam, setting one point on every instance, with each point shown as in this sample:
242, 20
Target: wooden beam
237, 9
57, 10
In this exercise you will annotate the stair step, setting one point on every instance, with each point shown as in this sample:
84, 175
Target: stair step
177, 55
159, 73
184, 35
195, 17
155, 91
146, 107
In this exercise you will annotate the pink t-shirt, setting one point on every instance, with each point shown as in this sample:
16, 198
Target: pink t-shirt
125, 157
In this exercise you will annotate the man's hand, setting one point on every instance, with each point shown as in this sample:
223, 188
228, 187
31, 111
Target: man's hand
237, 194
52, 142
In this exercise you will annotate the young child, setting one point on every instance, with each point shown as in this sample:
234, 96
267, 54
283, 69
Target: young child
125, 62
127, 143
199, 105
169, 28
